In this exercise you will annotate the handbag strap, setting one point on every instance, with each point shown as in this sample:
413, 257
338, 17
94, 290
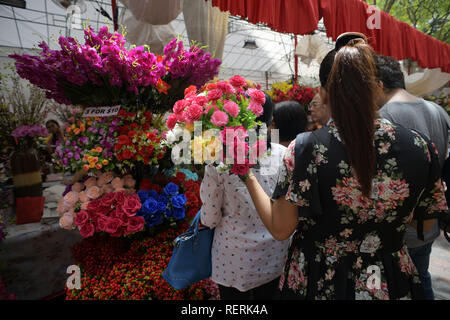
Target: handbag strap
195, 222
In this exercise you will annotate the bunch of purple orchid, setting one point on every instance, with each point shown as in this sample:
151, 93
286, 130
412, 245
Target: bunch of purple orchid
194, 65
30, 131
103, 72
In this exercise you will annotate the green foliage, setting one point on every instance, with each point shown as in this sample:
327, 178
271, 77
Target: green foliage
428, 16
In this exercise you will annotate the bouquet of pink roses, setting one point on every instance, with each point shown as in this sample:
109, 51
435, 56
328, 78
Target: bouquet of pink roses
227, 112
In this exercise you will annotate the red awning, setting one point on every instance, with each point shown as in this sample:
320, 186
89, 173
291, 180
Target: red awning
394, 38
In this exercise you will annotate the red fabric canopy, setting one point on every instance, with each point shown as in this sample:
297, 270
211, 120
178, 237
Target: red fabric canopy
394, 38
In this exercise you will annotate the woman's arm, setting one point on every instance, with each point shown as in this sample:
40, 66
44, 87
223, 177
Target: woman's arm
280, 217
211, 194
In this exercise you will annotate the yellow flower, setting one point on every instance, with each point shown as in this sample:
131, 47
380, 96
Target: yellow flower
105, 162
91, 165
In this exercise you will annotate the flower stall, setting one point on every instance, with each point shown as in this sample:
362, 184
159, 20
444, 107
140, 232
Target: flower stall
129, 201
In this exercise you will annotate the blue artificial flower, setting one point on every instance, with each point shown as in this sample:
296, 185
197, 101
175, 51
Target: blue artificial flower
153, 194
179, 201
153, 219
178, 213
143, 195
171, 189
162, 198
162, 206
150, 206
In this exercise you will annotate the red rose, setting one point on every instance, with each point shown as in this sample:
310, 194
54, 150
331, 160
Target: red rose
160, 156
122, 113
131, 204
127, 154
81, 218
94, 205
123, 140
87, 230
150, 149
134, 125
101, 222
112, 224
189, 90
192, 199
181, 176
117, 147
119, 197
107, 200
119, 231
134, 225
130, 114
131, 134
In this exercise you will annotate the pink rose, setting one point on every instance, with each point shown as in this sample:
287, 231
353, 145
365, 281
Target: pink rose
238, 81
193, 113
112, 224
240, 169
131, 204
93, 192
83, 196
81, 218
107, 188
77, 187
214, 95
128, 181
256, 108
219, 118
105, 178
92, 181
66, 221
95, 205
172, 121
179, 106
119, 231
117, 183
135, 224
200, 100
71, 198
62, 206
87, 230
256, 95
226, 87
101, 222
232, 108
84, 205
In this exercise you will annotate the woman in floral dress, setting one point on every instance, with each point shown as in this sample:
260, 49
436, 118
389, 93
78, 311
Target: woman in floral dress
349, 191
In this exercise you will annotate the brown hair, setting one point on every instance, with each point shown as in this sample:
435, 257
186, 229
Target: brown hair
352, 94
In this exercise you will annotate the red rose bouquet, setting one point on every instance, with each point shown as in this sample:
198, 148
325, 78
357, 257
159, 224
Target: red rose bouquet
113, 213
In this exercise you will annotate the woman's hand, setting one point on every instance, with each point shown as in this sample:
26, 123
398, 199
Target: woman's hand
279, 217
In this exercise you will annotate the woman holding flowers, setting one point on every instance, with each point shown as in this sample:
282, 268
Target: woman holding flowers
246, 260
348, 191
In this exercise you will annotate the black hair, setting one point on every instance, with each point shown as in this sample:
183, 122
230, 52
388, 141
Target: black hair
52, 121
290, 119
325, 67
389, 72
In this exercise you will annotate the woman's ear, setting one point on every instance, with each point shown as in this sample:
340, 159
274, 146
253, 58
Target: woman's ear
323, 95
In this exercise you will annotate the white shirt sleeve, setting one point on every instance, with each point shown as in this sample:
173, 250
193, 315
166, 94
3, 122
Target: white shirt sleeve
211, 194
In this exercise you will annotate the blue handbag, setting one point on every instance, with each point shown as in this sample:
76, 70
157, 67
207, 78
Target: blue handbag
191, 256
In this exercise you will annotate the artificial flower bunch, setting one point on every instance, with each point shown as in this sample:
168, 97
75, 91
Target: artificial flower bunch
103, 72
138, 139
99, 72
230, 107
78, 196
168, 198
29, 131
88, 144
283, 91
443, 100
27, 136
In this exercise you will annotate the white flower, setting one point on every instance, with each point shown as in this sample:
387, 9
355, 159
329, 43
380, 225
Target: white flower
370, 244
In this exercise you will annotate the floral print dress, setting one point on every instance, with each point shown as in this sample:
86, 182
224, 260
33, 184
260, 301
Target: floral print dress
346, 245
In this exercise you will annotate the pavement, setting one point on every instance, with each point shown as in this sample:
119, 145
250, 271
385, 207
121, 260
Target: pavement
440, 268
